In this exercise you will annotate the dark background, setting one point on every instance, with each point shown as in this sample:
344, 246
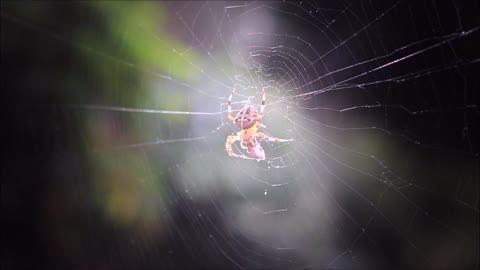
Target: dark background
51, 218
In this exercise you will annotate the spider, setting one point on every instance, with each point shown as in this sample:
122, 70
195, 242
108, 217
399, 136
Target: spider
248, 120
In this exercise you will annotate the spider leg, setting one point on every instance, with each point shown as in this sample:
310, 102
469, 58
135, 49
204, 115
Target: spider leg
229, 106
242, 144
272, 139
263, 102
229, 142
262, 107
229, 149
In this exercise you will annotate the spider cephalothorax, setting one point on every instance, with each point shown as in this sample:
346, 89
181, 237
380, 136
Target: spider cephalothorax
248, 120
247, 117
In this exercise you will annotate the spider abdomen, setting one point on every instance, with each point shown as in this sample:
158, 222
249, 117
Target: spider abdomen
247, 117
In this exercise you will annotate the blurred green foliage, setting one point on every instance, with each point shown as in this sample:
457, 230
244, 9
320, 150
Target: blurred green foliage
138, 48
113, 53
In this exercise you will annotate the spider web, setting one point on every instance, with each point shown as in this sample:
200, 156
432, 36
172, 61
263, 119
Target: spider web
379, 98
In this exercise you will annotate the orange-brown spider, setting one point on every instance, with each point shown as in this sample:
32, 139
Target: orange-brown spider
248, 120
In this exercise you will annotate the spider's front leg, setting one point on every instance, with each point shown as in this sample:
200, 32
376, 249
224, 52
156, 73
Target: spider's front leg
262, 108
229, 107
